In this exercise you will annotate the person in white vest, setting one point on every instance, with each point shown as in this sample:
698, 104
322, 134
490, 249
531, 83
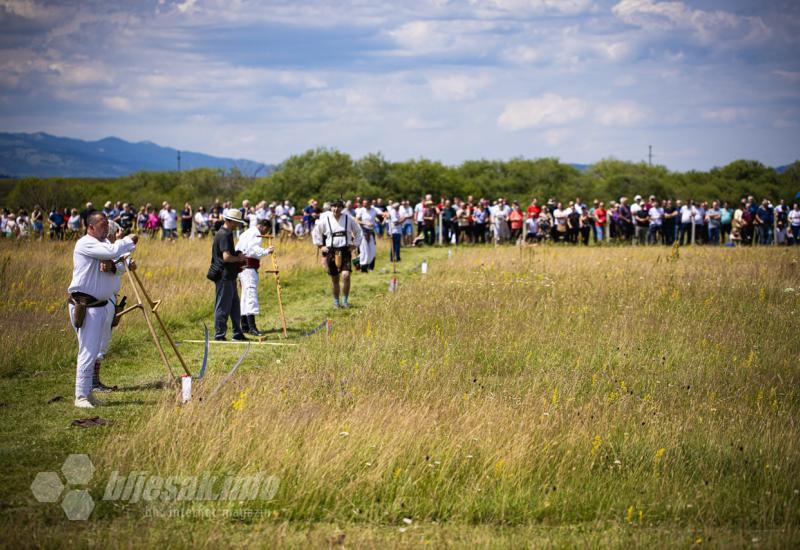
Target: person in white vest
93, 284
337, 234
367, 217
250, 245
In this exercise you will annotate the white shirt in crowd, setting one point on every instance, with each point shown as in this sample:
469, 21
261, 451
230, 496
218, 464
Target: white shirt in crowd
367, 216
686, 213
419, 212
395, 220
201, 220
169, 218
86, 274
328, 225
794, 217
656, 215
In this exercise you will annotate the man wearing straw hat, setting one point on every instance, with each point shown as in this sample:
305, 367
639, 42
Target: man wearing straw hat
226, 263
93, 284
250, 245
337, 234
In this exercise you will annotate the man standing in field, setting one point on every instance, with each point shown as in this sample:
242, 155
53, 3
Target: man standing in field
337, 234
93, 284
250, 245
226, 263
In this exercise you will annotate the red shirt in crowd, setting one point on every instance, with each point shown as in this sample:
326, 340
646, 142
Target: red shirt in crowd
516, 219
599, 217
534, 211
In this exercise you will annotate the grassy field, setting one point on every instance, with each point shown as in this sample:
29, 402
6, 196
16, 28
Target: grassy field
549, 396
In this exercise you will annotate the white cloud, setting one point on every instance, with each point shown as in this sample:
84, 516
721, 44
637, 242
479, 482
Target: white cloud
619, 114
25, 8
443, 37
549, 109
117, 103
530, 7
727, 114
706, 25
522, 54
456, 87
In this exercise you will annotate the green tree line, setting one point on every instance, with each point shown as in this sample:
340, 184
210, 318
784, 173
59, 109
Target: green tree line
328, 173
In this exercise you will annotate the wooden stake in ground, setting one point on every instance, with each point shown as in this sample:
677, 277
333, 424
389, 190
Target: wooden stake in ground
152, 330
276, 271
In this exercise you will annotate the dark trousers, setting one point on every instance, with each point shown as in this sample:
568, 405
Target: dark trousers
686, 233
430, 238
227, 305
397, 240
480, 232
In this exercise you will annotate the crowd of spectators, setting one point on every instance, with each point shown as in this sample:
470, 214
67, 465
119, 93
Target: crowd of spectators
454, 221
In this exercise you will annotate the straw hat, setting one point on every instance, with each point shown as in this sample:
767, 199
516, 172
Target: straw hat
234, 215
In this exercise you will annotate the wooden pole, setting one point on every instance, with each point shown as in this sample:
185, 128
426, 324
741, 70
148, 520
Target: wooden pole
153, 308
278, 287
152, 330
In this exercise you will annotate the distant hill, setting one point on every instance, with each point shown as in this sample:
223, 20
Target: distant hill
43, 155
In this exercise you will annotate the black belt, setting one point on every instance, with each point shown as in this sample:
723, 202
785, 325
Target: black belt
86, 300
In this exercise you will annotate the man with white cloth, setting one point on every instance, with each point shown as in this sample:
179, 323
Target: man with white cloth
367, 217
337, 234
93, 284
250, 245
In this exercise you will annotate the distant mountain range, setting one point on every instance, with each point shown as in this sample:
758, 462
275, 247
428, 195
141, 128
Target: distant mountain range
43, 155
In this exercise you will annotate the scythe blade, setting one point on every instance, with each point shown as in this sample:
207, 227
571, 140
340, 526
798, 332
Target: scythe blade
205, 354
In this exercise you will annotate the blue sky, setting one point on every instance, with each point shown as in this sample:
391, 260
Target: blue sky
703, 82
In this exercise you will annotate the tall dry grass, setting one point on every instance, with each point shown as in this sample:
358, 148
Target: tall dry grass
507, 387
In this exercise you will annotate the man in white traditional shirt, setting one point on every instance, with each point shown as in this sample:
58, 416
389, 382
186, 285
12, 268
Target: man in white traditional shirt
114, 233
93, 284
250, 245
337, 234
367, 217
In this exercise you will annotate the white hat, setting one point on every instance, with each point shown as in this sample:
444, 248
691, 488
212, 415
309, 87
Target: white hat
234, 215
637, 198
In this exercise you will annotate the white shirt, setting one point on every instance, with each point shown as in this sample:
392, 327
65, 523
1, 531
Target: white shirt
687, 212
328, 224
169, 219
250, 243
201, 220
367, 217
86, 275
395, 225
794, 217
635, 207
419, 210
656, 215
252, 218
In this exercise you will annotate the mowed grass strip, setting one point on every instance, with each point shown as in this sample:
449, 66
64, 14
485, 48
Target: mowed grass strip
600, 392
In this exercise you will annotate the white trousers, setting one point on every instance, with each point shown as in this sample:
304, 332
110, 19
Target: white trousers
111, 311
90, 337
366, 251
248, 301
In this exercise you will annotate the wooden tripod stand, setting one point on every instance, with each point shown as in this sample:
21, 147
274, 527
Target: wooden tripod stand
152, 309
